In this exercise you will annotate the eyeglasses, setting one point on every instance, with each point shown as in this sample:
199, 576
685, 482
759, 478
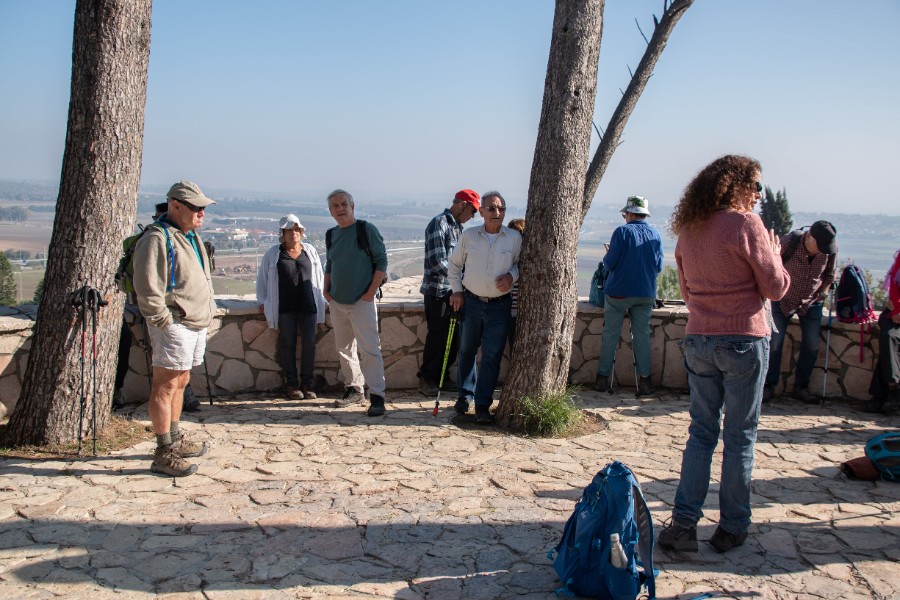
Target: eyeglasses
759, 187
190, 206
496, 209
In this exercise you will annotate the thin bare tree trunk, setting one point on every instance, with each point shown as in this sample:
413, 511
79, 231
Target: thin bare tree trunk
610, 141
94, 212
547, 264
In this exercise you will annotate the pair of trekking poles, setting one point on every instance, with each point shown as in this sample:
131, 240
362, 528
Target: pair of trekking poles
454, 318
87, 299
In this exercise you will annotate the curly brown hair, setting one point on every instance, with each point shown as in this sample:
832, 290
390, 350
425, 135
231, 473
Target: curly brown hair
726, 182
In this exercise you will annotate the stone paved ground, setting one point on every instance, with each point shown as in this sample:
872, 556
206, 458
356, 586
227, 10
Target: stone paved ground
299, 500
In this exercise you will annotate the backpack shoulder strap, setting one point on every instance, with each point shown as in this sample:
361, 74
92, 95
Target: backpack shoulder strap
793, 241
644, 524
328, 239
362, 238
170, 252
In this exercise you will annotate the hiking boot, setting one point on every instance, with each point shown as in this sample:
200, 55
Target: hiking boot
874, 405
168, 462
768, 393
644, 387
307, 392
723, 541
805, 396
189, 402
891, 405
292, 393
118, 400
186, 448
376, 406
678, 537
427, 388
602, 384
483, 414
461, 407
352, 395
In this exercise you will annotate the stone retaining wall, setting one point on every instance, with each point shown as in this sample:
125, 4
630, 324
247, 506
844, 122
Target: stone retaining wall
241, 351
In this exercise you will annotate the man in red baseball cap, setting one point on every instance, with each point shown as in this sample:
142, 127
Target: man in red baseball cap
440, 239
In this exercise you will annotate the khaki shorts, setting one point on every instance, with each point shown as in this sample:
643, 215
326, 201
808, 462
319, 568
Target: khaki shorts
176, 347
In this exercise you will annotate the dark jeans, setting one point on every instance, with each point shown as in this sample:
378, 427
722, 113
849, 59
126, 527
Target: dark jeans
484, 325
810, 331
884, 374
288, 325
124, 352
437, 317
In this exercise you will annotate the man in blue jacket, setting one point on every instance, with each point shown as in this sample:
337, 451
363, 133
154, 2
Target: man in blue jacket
634, 258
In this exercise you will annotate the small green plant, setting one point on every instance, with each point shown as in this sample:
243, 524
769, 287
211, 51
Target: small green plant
667, 286
551, 414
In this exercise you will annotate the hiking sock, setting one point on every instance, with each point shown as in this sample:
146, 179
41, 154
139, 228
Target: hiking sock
175, 429
164, 439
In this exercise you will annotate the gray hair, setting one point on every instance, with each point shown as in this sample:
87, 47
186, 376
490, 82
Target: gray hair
339, 192
493, 194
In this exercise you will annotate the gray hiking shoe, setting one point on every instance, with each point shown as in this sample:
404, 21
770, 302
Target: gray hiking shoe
679, 537
376, 406
352, 395
644, 387
168, 462
602, 384
186, 448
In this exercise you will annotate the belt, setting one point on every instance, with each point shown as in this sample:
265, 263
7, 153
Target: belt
488, 299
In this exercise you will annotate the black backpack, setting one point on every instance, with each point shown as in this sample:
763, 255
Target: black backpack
853, 303
362, 238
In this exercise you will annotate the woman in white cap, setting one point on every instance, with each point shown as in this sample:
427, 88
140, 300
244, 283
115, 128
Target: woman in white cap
289, 291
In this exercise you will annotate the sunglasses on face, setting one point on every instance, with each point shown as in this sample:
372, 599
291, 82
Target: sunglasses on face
496, 209
759, 187
190, 206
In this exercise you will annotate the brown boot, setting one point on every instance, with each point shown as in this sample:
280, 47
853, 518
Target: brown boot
168, 462
186, 448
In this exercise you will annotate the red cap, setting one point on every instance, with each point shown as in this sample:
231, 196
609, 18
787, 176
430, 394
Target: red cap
469, 196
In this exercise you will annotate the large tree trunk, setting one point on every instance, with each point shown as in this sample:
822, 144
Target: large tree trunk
561, 191
547, 264
94, 212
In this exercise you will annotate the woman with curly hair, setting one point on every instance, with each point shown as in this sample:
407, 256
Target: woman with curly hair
729, 267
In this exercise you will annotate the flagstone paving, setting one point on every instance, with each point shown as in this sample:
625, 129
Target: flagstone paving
300, 500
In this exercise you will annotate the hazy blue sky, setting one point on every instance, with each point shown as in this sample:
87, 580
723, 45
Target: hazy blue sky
416, 99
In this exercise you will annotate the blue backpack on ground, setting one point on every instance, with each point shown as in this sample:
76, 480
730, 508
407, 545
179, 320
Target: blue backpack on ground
612, 503
884, 452
598, 283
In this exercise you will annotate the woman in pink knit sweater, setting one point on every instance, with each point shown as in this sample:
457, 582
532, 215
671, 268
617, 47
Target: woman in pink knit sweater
729, 267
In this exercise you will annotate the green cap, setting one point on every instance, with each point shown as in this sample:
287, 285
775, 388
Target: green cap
636, 205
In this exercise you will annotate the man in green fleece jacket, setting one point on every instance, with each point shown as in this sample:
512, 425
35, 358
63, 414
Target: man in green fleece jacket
352, 277
173, 285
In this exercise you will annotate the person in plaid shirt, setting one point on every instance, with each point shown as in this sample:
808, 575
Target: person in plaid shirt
440, 239
809, 258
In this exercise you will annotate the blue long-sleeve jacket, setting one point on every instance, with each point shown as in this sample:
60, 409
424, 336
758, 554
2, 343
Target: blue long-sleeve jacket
634, 259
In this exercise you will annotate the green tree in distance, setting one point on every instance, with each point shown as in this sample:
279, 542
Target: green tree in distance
775, 211
667, 286
7, 282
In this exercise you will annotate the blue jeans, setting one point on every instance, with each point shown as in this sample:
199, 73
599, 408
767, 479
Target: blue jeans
724, 371
639, 310
288, 324
810, 329
484, 325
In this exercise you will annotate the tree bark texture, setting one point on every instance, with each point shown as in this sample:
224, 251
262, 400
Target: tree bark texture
610, 140
95, 210
547, 287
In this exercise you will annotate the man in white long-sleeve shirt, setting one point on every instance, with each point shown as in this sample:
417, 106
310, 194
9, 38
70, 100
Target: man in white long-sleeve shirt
482, 271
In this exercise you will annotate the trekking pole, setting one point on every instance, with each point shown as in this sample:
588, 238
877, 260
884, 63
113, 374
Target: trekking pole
208, 386
78, 299
827, 344
146, 333
637, 386
95, 301
437, 402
